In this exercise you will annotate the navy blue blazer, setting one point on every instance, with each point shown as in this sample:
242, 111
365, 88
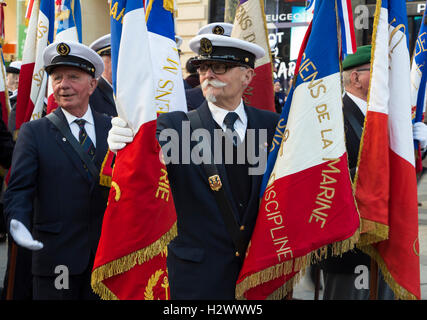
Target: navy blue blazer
102, 99
50, 190
201, 260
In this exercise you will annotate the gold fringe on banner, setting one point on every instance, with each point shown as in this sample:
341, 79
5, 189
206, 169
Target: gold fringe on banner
126, 263
295, 265
372, 232
399, 292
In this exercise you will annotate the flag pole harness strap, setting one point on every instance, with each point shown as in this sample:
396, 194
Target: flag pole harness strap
214, 179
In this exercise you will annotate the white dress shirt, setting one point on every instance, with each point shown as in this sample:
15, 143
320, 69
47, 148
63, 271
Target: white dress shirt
241, 123
89, 124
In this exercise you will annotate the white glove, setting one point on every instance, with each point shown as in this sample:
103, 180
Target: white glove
119, 135
420, 133
23, 237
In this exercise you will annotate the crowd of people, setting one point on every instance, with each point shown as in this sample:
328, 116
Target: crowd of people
54, 204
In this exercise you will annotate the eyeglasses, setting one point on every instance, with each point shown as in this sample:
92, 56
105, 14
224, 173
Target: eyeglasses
217, 68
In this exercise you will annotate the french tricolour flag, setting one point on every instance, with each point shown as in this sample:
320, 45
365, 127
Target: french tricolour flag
33, 78
250, 25
307, 201
140, 219
386, 187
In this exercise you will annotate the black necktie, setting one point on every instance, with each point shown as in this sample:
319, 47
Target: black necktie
229, 121
84, 139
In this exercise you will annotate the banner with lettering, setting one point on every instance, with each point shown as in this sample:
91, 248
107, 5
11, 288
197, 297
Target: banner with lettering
418, 82
140, 219
385, 182
307, 204
250, 25
33, 78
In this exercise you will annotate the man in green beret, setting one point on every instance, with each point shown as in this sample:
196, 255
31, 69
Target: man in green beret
347, 277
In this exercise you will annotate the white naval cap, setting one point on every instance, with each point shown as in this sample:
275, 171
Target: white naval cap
14, 67
226, 49
102, 45
72, 54
219, 28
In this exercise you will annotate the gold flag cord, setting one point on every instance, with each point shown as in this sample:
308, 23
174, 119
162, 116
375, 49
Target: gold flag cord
294, 265
127, 262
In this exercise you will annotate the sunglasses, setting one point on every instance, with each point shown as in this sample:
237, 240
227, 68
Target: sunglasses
217, 68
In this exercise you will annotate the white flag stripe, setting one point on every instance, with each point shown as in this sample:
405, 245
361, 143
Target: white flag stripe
379, 88
400, 122
311, 120
38, 87
167, 73
135, 90
347, 29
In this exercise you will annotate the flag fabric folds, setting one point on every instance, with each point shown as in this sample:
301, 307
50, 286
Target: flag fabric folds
345, 14
68, 26
385, 182
250, 25
33, 78
307, 201
140, 219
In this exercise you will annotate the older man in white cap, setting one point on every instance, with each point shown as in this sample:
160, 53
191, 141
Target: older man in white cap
54, 186
102, 99
216, 202
194, 95
12, 76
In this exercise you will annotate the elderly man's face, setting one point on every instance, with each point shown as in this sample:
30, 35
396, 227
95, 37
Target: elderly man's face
12, 80
226, 88
72, 88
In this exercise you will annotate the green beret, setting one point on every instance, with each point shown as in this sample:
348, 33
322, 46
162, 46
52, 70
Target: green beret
361, 56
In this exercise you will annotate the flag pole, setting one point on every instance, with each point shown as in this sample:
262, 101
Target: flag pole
12, 268
373, 280
230, 10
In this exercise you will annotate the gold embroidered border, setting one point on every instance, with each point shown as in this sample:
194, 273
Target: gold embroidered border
126, 263
295, 265
399, 292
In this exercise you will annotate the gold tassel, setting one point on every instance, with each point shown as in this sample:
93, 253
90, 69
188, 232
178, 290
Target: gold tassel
126, 263
298, 264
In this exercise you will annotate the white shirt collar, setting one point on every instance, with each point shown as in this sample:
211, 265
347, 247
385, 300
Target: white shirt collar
88, 116
241, 123
219, 114
362, 104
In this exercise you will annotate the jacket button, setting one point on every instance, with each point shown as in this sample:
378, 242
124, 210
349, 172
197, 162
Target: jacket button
237, 253
242, 228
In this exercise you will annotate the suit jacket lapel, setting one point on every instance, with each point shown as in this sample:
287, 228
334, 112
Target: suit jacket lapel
66, 147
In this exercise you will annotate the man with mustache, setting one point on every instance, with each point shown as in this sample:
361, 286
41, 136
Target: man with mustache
216, 212
54, 189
